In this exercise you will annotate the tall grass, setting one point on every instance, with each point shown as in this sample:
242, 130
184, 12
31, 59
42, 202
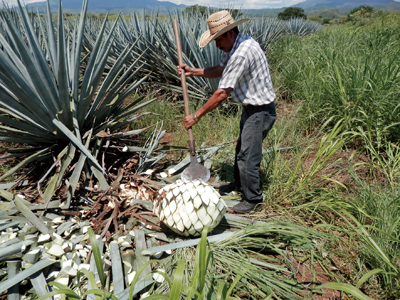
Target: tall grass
346, 72
350, 75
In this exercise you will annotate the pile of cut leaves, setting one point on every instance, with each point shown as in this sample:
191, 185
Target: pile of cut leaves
110, 243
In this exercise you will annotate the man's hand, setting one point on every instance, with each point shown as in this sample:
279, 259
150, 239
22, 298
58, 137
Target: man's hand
188, 70
189, 121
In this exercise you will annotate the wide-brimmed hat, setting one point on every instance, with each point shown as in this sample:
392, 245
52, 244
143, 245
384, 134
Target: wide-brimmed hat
218, 23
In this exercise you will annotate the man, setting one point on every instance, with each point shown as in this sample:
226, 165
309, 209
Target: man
245, 76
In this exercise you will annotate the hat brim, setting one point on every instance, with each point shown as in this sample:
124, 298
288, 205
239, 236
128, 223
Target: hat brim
206, 37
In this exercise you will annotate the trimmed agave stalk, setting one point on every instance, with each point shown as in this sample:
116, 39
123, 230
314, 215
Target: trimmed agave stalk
188, 207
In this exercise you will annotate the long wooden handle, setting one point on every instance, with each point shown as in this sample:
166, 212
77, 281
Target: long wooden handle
184, 86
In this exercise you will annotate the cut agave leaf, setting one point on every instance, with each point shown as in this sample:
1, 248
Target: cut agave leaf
10, 282
188, 243
12, 270
117, 271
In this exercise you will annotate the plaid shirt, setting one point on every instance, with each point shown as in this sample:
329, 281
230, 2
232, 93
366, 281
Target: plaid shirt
246, 72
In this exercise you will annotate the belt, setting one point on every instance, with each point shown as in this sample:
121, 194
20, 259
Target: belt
247, 107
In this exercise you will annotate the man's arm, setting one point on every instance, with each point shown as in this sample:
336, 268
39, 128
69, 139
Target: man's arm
212, 72
215, 100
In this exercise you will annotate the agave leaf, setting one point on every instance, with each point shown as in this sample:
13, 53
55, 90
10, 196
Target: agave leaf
42, 77
9, 206
61, 64
35, 221
40, 285
31, 158
94, 71
100, 177
10, 242
19, 123
40, 265
12, 270
66, 160
76, 53
9, 225
125, 134
76, 142
140, 259
51, 187
14, 248
188, 243
19, 87
117, 272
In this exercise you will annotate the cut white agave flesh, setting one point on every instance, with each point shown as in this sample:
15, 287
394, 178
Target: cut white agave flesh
66, 263
56, 250
131, 276
53, 275
44, 238
63, 279
84, 266
158, 277
32, 256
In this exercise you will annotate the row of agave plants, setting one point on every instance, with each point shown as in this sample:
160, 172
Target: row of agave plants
64, 82
64, 85
156, 39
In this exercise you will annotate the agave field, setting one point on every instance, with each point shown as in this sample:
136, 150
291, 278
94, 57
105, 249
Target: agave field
91, 129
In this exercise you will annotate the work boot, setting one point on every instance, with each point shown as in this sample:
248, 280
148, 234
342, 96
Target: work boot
225, 189
245, 207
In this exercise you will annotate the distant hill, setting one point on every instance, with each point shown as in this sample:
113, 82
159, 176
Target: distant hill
102, 6
311, 7
347, 3
327, 8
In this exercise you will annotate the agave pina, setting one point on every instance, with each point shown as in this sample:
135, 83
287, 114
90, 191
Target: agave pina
188, 207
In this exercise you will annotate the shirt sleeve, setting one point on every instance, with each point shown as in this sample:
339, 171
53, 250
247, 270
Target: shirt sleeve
233, 71
224, 60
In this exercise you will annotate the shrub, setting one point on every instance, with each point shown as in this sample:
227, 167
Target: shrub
292, 12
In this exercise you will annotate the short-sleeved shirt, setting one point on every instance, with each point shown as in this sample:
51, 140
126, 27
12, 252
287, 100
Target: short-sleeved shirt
246, 71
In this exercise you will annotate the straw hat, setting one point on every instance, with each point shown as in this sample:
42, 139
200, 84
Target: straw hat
218, 23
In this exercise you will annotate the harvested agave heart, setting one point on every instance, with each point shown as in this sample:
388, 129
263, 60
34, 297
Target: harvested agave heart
187, 207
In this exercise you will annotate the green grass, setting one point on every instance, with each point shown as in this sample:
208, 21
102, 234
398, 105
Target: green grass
346, 72
350, 76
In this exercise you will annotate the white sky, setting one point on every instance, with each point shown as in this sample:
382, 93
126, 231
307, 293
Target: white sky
242, 4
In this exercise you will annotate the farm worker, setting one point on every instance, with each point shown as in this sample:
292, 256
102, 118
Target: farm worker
245, 76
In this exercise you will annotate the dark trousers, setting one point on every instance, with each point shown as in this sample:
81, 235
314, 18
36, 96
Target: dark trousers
255, 123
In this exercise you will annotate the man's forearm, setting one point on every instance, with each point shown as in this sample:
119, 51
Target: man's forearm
212, 72
215, 100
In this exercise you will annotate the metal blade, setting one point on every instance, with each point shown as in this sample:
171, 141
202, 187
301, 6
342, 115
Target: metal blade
195, 171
